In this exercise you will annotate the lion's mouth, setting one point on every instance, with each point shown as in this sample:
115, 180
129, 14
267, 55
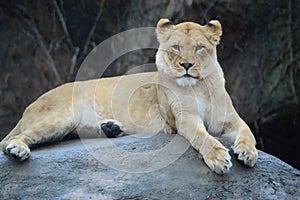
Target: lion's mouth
189, 76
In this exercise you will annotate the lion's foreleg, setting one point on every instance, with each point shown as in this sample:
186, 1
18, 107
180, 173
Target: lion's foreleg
244, 144
215, 155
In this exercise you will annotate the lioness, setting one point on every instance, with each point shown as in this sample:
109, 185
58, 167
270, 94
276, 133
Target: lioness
186, 95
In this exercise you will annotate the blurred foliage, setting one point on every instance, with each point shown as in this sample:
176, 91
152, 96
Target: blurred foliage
43, 43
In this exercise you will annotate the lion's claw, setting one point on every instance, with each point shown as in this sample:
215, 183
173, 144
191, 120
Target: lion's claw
218, 160
246, 153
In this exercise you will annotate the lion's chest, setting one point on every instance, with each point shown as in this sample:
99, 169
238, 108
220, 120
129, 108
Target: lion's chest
208, 106
212, 110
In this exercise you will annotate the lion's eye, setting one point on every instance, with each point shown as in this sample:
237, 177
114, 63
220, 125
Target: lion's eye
176, 47
199, 47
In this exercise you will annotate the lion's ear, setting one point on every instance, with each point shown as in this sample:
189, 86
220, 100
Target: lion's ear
213, 31
164, 29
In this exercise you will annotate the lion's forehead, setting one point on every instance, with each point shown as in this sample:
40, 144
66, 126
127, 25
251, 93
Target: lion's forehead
189, 29
193, 38
188, 33
188, 26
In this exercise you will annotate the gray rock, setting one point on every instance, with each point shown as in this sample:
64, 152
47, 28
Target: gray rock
123, 168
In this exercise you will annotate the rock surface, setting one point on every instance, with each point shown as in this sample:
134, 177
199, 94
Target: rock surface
122, 168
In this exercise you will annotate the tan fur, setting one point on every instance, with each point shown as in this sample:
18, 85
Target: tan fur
192, 102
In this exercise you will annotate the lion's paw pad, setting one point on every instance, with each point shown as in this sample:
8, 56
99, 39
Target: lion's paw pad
246, 153
219, 161
18, 150
111, 129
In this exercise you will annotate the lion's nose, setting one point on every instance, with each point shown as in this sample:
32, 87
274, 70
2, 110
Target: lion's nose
186, 65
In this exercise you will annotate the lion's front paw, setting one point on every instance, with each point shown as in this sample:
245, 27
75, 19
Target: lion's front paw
246, 152
17, 149
218, 160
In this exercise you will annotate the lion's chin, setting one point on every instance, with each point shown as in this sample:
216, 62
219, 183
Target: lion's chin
186, 81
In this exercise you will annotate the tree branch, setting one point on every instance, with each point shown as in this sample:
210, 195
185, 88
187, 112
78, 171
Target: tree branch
86, 45
62, 21
74, 61
290, 47
29, 21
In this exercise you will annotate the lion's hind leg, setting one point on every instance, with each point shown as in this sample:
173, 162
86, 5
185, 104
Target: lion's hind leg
17, 148
111, 128
46, 130
13, 147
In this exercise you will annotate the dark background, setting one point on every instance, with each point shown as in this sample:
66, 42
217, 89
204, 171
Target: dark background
43, 43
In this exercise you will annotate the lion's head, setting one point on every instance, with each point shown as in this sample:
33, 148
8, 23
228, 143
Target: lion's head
187, 51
